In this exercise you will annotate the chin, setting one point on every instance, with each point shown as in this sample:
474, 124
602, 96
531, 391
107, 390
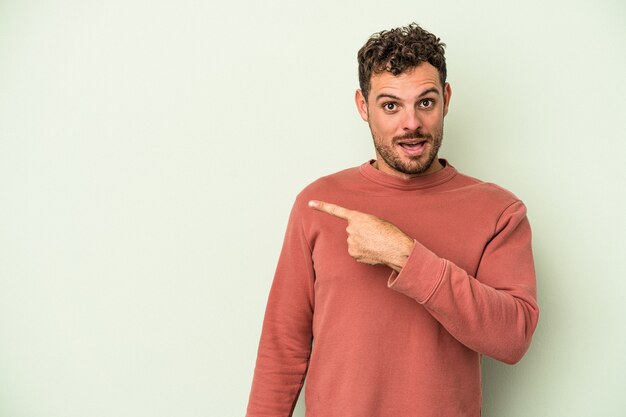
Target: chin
416, 168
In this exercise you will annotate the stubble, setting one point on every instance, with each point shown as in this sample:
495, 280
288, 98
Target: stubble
409, 165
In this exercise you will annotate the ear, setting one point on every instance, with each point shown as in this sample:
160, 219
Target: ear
447, 93
361, 105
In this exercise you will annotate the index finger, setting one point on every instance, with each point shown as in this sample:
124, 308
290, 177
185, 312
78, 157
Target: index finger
332, 209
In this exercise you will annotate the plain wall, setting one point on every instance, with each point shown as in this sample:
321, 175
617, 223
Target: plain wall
150, 152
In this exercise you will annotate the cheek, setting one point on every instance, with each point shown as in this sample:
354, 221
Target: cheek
434, 120
384, 126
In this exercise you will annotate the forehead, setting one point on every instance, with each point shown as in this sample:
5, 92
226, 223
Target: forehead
413, 81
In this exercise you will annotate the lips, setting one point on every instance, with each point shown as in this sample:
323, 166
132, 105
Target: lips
413, 147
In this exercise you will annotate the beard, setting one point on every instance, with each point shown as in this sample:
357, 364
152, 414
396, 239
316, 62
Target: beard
410, 165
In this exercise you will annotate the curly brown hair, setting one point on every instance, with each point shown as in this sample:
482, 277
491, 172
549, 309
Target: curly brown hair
398, 50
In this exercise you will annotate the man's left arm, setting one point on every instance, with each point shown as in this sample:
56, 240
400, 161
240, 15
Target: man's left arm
494, 313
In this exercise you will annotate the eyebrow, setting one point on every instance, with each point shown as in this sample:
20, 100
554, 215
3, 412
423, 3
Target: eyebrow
391, 96
430, 90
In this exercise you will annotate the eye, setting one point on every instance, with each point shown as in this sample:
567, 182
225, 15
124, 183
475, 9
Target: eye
390, 107
426, 103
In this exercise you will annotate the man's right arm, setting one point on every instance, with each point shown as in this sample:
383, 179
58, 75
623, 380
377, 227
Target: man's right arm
286, 339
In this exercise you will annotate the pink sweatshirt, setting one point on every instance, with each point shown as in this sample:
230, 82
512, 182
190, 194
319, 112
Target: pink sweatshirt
372, 343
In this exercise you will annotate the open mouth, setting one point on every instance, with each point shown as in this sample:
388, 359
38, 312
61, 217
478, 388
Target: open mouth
413, 147
413, 144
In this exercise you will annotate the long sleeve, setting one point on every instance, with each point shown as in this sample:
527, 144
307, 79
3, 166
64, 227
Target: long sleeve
286, 338
373, 345
494, 313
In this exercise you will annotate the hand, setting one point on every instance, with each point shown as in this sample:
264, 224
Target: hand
371, 240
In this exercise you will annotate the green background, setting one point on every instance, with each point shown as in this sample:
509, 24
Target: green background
150, 152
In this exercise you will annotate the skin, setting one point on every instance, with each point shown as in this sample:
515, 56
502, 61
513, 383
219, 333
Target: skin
411, 104
400, 110
371, 240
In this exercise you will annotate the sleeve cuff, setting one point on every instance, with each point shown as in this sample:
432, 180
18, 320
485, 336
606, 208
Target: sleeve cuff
421, 275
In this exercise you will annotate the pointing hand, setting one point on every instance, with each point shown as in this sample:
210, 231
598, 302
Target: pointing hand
371, 240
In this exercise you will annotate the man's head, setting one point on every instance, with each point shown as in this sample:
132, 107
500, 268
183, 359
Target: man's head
404, 98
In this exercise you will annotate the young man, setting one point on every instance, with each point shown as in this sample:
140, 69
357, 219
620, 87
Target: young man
389, 317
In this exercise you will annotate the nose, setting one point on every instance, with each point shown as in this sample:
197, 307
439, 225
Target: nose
411, 120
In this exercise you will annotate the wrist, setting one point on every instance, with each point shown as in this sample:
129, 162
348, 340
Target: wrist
402, 254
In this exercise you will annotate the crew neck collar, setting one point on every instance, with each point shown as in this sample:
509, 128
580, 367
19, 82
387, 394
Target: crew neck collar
415, 183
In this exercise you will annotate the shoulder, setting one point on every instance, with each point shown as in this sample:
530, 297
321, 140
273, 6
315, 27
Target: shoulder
486, 191
330, 188
486, 199
331, 185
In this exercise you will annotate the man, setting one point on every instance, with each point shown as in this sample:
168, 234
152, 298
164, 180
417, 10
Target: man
389, 317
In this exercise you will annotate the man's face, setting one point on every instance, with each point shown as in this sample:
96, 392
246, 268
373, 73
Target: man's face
405, 114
